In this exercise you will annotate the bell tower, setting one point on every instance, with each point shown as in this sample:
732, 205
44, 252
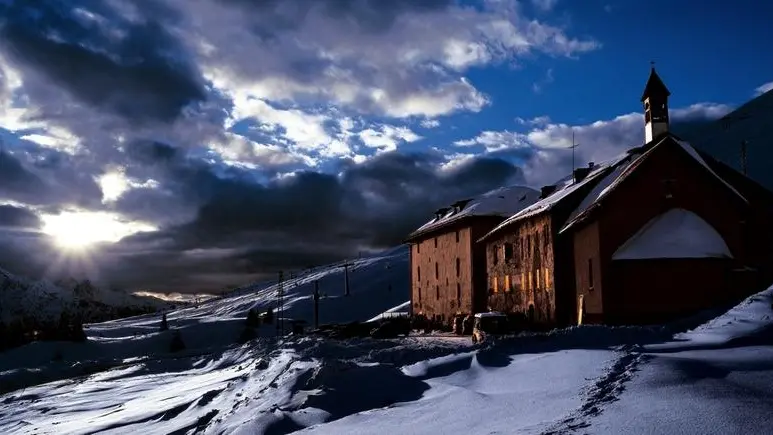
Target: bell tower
655, 99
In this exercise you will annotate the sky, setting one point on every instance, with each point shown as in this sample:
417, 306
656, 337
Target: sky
192, 145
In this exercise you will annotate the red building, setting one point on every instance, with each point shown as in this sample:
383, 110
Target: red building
661, 232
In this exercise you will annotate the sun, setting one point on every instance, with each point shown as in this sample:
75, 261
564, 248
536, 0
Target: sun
79, 230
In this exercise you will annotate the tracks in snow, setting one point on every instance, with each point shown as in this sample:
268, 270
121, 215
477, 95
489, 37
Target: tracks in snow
603, 390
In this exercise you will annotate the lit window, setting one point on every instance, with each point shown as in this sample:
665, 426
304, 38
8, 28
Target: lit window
494, 286
507, 283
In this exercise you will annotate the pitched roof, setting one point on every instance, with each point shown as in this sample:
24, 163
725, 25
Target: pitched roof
565, 188
654, 86
503, 202
626, 167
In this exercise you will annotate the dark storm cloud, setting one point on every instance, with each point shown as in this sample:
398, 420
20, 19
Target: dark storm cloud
16, 182
242, 228
18, 217
45, 177
140, 75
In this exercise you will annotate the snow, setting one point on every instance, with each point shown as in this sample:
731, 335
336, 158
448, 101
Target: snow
45, 301
600, 190
718, 376
400, 310
564, 188
502, 202
677, 233
489, 314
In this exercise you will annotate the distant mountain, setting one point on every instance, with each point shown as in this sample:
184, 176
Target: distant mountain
752, 122
43, 302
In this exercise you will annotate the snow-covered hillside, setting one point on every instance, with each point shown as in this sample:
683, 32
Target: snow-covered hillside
44, 301
716, 378
752, 122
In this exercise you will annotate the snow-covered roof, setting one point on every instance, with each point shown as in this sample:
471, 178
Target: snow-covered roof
624, 168
503, 201
677, 233
564, 189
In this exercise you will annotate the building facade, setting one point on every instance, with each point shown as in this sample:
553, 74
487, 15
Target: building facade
448, 274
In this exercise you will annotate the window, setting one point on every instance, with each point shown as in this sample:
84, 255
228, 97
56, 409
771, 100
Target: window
668, 188
530, 280
545, 238
437, 271
419, 290
494, 286
522, 281
495, 254
547, 278
458, 293
508, 248
507, 283
590, 274
537, 278
458, 266
418, 248
437, 292
418, 273
457, 236
528, 244
436, 242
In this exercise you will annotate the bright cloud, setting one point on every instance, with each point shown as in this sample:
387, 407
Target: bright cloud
763, 88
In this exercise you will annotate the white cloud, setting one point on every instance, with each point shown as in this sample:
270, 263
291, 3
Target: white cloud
430, 123
544, 5
413, 66
763, 88
387, 137
549, 143
114, 183
539, 85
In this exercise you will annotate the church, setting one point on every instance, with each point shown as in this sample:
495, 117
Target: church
658, 233
661, 232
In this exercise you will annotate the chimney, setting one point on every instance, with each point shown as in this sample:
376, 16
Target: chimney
546, 191
591, 165
580, 174
439, 213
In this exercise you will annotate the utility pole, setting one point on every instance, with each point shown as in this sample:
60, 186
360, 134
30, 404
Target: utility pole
346, 277
280, 306
573, 147
316, 304
727, 122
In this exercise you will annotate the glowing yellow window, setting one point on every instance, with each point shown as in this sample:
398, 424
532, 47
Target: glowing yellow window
547, 278
494, 284
530, 281
507, 283
537, 278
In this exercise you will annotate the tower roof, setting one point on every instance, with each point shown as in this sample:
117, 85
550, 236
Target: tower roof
655, 86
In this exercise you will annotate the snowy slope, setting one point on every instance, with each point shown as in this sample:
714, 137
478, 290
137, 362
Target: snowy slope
752, 122
44, 301
589, 379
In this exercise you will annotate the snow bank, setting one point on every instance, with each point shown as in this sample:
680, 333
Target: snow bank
677, 233
751, 317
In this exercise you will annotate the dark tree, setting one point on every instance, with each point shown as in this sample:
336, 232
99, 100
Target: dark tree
164, 323
253, 319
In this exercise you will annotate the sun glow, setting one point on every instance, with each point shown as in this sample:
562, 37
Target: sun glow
80, 229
